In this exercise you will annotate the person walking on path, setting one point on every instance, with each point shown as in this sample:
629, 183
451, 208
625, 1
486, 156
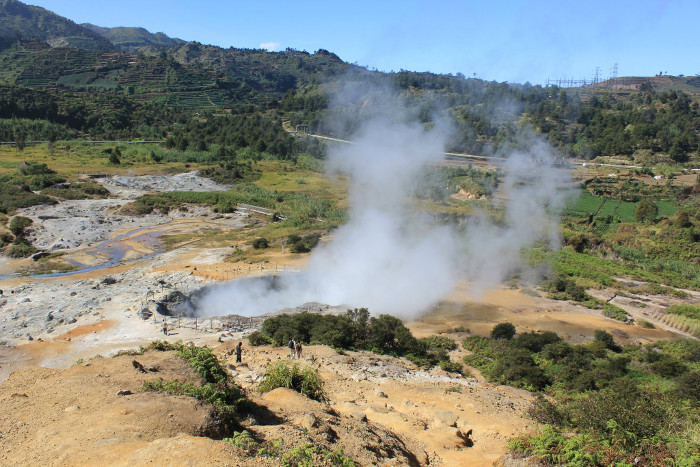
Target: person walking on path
239, 351
292, 347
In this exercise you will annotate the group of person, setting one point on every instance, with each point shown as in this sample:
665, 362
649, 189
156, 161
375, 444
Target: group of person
294, 348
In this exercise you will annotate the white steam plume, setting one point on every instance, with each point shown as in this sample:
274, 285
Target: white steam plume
392, 259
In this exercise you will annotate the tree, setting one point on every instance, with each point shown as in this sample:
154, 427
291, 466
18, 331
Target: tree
683, 220
503, 331
646, 211
607, 340
20, 141
18, 224
388, 335
114, 156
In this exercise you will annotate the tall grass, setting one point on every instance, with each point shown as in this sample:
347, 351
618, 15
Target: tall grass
305, 380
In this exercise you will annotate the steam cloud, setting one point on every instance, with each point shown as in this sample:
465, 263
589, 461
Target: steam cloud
391, 258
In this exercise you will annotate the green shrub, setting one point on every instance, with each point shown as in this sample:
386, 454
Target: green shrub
536, 341
451, 367
337, 458
305, 380
204, 362
257, 338
503, 331
39, 182
243, 440
18, 224
546, 412
565, 288
607, 340
688, 386
20, 250
636, 412
260, 243
227, 398
517, 368
668, 367
617, 314
304, 244
299, 456
439, 342
388, 335
28, 168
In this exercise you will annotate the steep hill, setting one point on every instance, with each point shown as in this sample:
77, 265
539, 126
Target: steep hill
130, 39
18, 20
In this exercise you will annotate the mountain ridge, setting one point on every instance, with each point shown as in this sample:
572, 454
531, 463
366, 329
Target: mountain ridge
22, 21
131, 39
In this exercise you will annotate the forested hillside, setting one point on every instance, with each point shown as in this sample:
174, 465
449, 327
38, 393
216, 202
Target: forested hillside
144, 85
132, 39
20, 21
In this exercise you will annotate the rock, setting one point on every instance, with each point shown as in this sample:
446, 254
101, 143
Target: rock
380, 394
71, 320
124, 392
444, 418
49, 316
29, 337
307, 421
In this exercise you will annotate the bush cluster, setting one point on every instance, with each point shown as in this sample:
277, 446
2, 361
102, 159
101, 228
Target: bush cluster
305, 380
303, 244
607, 404
355, 329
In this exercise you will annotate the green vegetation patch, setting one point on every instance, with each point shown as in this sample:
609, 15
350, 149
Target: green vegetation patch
355, 329
85, 190
606, 404
218, 389
305, 380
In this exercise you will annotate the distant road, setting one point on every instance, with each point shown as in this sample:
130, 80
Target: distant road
27, 143
450, 155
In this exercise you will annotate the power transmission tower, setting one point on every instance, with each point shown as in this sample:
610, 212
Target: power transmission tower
614, 77
596, 78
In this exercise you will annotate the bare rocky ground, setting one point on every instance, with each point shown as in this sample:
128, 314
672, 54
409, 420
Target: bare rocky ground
78, 223
383, 410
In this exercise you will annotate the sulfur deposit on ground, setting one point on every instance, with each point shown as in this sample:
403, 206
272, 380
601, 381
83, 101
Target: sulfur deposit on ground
382, 410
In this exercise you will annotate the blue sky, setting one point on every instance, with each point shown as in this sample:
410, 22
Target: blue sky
507, 40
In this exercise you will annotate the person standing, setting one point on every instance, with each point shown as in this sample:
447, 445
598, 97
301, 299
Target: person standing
292, 347
239, 351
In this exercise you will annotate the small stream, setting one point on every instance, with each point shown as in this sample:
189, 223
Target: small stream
115, 250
